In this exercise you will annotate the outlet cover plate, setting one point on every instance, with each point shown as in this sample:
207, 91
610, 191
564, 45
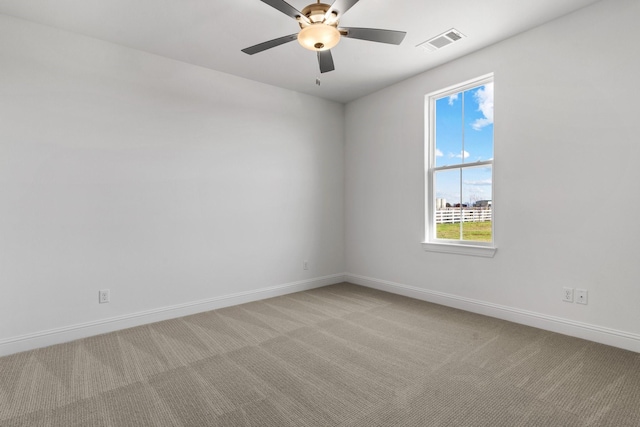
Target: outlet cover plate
581, 296
567, 294
103, 296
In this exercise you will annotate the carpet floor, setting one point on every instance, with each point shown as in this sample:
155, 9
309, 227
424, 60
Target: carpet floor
342, 355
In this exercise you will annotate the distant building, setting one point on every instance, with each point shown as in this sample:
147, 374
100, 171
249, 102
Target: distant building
482, 204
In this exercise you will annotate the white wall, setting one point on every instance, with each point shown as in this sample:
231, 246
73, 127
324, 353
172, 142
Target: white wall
167, 183
566, 188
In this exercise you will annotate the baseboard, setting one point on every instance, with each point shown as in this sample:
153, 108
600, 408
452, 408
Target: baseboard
74, 332
616, 338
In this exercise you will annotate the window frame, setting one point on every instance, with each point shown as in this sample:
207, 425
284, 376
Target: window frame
431, 243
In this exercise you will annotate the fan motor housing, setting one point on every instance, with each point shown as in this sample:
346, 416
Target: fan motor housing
316, 12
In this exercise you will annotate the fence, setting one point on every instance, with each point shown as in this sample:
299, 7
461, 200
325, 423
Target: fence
467, 215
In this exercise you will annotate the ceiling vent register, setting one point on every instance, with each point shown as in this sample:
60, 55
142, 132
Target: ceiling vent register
442, 40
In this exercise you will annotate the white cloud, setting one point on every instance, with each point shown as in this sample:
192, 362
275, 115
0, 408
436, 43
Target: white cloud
439, 153
480, 182
484, 97
453, 98
460, 156
480, 123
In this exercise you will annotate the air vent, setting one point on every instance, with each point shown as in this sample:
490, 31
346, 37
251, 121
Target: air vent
442, 40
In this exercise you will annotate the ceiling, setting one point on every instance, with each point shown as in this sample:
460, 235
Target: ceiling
211, 33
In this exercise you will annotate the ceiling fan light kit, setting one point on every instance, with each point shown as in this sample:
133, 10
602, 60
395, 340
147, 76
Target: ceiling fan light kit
319, 37
319, 30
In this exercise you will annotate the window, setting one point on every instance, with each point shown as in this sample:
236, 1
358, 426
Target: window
459, 166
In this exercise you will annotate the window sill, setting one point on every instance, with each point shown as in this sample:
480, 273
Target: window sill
451, 248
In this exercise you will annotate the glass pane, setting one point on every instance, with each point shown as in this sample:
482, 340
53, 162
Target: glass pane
447, 193
448, 131
476, 196
478, 117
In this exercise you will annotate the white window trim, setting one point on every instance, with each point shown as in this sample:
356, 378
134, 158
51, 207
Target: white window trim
431, 244
460, 249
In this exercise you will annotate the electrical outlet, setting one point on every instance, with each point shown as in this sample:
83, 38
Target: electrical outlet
103, 296
305, 265
581, 296
567, 294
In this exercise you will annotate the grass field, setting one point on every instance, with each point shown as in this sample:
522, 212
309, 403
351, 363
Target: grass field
475, 231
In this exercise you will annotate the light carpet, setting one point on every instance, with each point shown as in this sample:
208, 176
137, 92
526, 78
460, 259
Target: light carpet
341, 355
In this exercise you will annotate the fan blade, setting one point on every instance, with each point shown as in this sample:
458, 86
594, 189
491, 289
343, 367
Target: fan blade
340, 6
284, 7
374, 35
271, 43
325, 59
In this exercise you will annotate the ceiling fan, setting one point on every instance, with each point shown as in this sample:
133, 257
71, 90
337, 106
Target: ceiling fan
319, 30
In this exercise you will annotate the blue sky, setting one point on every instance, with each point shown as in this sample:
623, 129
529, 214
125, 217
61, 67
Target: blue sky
464, 134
